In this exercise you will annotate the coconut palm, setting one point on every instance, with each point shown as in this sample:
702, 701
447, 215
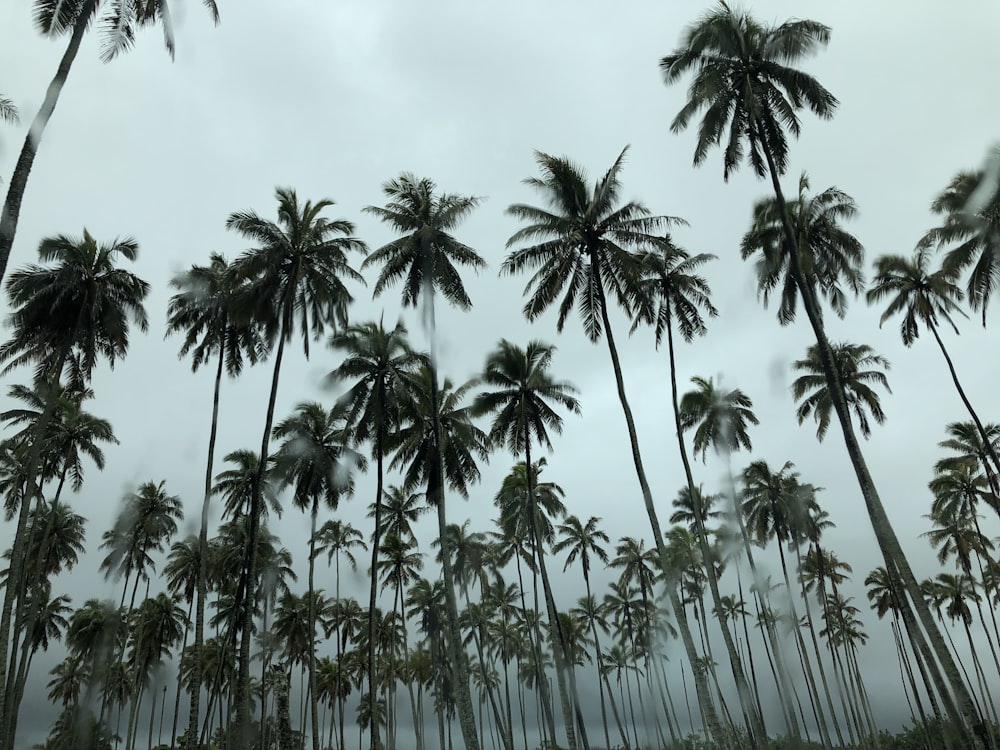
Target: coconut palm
68, 680
294, 281
520, 400
970, 207
927, 297
75, 310
8, 111
203, 311
425, 258
316, 460
751, 93
858, 368
401, 509
375, 361
120, 21
721, 417
236, 485
967, 443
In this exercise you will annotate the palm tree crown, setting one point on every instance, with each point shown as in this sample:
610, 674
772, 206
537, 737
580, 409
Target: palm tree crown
745, 85
722, 418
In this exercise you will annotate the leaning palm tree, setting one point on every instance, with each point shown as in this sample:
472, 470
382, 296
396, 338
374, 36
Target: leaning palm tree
858, 367
317, 461
203, 311
294, 280
928, 297
970, 207
751, 94
74, 311
120, 21
425, 258
520, 398
582, 255
375, 361
968, 445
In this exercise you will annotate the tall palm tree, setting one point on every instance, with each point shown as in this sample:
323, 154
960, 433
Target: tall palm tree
121, 19
203, 311
318, 463
236, 485
720, 418
928, 297
582, 254
751, 93
74, 311
375, 361
425, 259
8, 111
970, 207
858, 367
965, 439
295, 280
520, 398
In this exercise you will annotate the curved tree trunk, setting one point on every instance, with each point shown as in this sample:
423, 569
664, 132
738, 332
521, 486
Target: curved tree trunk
755, 722
19, 180
895, 559
247, 586
194, 689
701, 684
988, 446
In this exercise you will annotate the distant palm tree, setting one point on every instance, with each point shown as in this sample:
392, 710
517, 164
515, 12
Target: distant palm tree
927, 297
8, 111
720, 418
316, 460
970, 207
967, 441
75, 311
203, 310
68, 680
425, 259
857, 366
520, 398
236, 486
295, 280
121, 20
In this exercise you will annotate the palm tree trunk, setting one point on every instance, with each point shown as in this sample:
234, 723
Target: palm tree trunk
19, 180
701, 684
755, 723
373, 590
987, 445
194, 689
177, 696
895, 559
313, 697
248, 577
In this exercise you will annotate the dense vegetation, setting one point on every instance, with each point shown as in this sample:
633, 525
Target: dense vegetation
481, 643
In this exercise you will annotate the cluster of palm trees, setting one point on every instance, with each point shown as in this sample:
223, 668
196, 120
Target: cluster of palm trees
222, 607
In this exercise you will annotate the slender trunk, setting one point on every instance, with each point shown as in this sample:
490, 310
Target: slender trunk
177, 695
755, 723
701, 684
248, 577
534, 638
313, 698
896, 561
194, 689
373, 589
19, 180
987, 445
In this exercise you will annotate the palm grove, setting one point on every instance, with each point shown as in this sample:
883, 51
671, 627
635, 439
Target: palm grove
480, 649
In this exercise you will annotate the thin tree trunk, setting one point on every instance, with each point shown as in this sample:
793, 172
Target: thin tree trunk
313, 698
194, 689
177, 695
373, 589
896, 561
19, 180
701, 684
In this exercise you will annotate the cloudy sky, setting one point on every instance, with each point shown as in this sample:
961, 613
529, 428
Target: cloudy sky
335, 98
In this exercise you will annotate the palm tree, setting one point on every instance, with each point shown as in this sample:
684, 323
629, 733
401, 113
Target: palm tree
203, 310
68, 680
923, 297
521, 402
75, 311
317, 462
966, 440
295, 271
745, 82
424, 258
401, 509
376, 360
582, 253
8, 111
857, 366
338, 538
969, 206
120, 20
236, 485
721, 417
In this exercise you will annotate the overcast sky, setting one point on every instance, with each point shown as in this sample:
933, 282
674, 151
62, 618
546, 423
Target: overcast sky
333, 99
